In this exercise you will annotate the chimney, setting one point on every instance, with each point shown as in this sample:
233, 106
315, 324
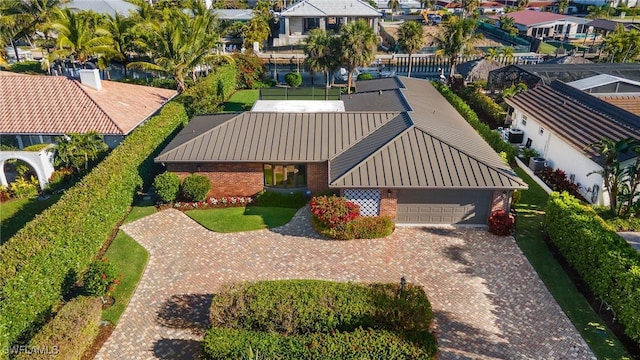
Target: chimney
91, 78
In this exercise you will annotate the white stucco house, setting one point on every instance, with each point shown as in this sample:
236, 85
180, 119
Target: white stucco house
560, 122
298, 19
541, 24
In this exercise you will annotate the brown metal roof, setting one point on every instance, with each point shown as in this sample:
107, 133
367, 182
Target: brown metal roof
382, 100
577, 117
372, 85
256, 136
429, 146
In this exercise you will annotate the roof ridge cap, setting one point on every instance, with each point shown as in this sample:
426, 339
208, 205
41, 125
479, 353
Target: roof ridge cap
79, 85
387, 113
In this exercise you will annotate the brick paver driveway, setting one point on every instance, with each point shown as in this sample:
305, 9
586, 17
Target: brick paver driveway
488, 301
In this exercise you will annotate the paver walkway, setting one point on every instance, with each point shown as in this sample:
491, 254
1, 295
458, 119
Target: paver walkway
488, 301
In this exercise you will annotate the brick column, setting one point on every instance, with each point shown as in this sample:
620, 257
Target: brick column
389, 203
501, 200
318, 177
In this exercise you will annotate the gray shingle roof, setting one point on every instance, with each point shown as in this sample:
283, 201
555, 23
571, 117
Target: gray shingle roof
322, 8
577, 117
428, 146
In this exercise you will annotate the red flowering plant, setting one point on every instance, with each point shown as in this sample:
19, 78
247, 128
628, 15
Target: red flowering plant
502, 223
100, 279
333, 211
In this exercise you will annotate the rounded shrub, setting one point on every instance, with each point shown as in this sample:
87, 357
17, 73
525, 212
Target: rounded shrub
167, 186
195, 187
293, 79
100, 278
501, 223
365, 76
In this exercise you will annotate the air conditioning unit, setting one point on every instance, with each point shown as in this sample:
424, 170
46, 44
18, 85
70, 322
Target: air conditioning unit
516, 136
537, 164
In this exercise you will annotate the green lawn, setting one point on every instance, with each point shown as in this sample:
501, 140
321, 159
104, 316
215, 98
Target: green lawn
237, 219
130, 259
241, 99
546, 48
14, 214
529, 237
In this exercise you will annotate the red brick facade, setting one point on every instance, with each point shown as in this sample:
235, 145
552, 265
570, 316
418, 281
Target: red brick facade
389, 203
227, 179
501, 200
318, 177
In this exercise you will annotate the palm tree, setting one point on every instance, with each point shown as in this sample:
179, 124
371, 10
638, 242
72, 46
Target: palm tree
622, 45
563, 5
180, 43
357, 43
597, 12
411, 39
612, 173
322, 53
394, 5
120, 31
78, 150
493, 53
29, 16
507, 52
455, 38
76, 37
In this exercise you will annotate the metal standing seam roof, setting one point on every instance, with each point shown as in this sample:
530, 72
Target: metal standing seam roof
322, 8
600, 80
108, 7
577, 117
389, 100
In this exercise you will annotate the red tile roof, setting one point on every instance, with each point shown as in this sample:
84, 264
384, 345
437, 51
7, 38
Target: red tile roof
38, 104
532, 17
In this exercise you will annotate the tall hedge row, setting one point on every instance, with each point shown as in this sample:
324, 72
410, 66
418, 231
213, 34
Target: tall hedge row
41, 262
609, 266
491, 137
208, 93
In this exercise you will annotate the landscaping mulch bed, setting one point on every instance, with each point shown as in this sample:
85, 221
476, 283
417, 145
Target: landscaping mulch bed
598, 307
103, 335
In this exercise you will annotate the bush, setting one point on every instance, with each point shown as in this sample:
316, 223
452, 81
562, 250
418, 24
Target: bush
365, 76
491, 137
528, 153
609, 266
60, 178
159, 83
100, 279
501, 223
484, 104
557, 180
41, 262
35, 147
368, 227
27, 67
293, 79
22, 188
4, 193
250, 71
293, 200
312, 319
71, 332
167, 186
333, 211
208, 94
195, 187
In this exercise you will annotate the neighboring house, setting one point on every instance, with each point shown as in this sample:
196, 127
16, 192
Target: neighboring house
242, 15
298, 19
36, 108
612, 3
561, 121
104, 7
623, 93
603, 26
452, 7
491, 7
540, 24
540, 74
398, 149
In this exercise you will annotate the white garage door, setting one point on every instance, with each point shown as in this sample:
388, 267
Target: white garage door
443, 206
368, 199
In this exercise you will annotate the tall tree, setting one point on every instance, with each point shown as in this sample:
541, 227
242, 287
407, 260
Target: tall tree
562, 5
622, 45
597, 12
257, 29
180, 43
358, 44
455, 38
28, 16
411, 39
322, 53
394, 5
77, 37
120, 31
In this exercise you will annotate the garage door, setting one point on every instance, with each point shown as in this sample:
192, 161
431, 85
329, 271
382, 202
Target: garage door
368, 199
443, 206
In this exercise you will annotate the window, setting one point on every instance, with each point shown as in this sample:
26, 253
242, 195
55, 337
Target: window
541, 130
310, 24
524, 120
285, 176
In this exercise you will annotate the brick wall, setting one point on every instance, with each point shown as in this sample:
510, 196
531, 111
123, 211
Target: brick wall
318, 177
501, 200
227, 179
389, 203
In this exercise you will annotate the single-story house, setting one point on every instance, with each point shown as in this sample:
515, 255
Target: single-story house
604, 26
621, 92
303, 16
560, 122
396, 147
35, 109
540, 24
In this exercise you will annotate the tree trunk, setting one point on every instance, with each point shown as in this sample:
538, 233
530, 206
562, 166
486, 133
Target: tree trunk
349, 79
15, 50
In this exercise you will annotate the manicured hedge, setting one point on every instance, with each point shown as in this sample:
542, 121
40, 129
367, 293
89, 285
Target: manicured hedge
208, 94
609, 266
485, 104
41, 262
226, 344
311, 319
491, 137
70, 333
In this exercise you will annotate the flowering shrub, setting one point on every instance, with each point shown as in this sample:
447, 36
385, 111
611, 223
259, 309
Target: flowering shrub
213, 202
558, 181
501, 223
334, 211
101, 278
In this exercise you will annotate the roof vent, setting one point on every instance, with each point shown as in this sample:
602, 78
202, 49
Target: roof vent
91, 78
